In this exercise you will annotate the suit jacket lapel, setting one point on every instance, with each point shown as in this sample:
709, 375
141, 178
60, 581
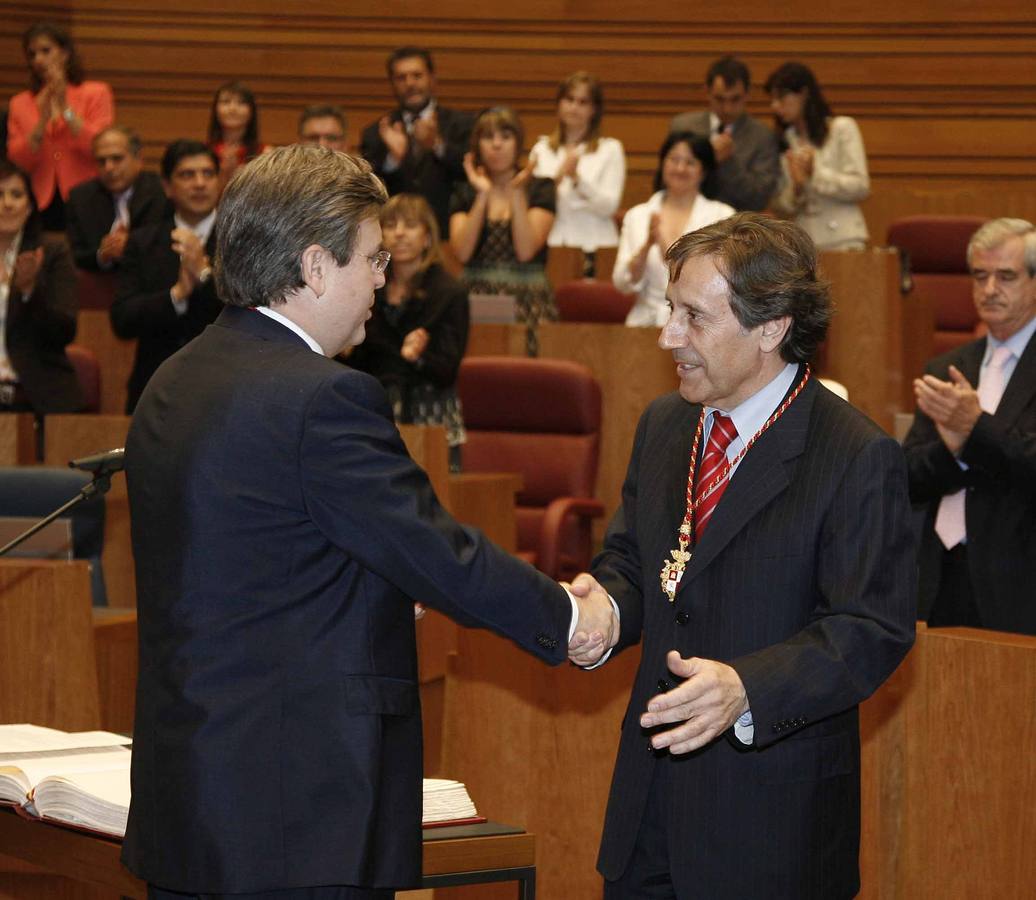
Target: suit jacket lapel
970, 361
761, 476
1020, 388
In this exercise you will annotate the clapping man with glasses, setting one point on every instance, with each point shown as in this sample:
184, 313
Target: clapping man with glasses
281, 534
972, 448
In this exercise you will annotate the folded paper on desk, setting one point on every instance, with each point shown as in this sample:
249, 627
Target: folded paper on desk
80, 779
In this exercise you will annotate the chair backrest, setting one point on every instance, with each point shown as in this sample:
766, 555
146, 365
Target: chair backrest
95, 290
540, 417
936, 248
592, 300
88, 372
36, 491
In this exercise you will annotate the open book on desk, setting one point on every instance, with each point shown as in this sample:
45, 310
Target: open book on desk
84, 780
80, 779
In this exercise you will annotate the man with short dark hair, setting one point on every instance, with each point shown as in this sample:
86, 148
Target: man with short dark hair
102, 211
281, 534
323, 125
419, 147
762, 555
165, 294
971, 451
747, 159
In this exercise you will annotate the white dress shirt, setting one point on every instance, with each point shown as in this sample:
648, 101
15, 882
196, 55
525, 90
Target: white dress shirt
650, 309
585, 210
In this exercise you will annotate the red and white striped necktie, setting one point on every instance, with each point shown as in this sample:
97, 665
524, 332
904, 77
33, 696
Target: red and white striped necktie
713, 462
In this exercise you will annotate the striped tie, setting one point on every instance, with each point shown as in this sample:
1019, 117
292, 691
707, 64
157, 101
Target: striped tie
712, 464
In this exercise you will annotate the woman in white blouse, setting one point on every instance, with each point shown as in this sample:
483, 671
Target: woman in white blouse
589, 171
824, 166
649, 228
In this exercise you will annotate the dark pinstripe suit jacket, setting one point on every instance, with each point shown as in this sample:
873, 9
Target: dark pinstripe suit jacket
804, 583
1001, 482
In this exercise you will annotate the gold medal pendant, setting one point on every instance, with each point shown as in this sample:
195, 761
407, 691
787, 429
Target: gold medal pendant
673, 571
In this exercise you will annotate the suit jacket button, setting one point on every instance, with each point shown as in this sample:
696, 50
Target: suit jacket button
682, 618
663, 685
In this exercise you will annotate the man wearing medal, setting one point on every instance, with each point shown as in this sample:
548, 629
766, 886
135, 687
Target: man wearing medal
762, 556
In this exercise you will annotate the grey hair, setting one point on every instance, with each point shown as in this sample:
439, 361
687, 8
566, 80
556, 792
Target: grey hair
996, 231
279, 204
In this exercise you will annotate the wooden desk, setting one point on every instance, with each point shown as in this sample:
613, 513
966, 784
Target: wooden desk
470, 854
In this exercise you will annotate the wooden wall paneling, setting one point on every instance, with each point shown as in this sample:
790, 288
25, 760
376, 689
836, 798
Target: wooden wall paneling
545, 760
115, 644
865, 340
17, 439
69, 437
942, 94
114, 355
47, 664
974, 825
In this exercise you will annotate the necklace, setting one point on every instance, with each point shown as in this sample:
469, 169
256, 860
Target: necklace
673, 569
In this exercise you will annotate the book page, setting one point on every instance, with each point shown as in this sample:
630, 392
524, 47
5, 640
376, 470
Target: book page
22, 739
96, 799
37, 766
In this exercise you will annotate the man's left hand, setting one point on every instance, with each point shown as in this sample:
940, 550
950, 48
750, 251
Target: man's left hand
952, 405
705, 705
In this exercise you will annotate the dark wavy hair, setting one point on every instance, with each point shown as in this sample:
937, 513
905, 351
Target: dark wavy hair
74, 73
701, 150
251, 137
34, 224
770, 266
795, 77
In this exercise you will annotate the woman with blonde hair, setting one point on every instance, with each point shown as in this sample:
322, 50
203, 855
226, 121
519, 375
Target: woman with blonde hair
500, 219
588, 170
418, 328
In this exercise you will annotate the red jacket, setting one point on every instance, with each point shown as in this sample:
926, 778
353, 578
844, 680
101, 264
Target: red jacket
63, 159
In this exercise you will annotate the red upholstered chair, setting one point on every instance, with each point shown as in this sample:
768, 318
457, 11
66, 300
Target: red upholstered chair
88, 371
542, 418
936, 256
592, 300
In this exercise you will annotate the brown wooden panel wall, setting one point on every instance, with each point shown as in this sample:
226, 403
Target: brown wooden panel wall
943, 90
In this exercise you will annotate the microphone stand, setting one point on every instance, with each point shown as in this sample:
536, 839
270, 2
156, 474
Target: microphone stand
98, 487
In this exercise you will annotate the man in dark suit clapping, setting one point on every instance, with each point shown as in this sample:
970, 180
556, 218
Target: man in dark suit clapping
281, 535
419, 147
763, 558
103, 210
165, 294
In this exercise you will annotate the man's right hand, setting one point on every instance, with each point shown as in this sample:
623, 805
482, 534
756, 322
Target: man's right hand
722, 146
597, 630
113, 245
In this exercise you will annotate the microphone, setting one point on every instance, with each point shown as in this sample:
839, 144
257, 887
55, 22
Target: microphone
101, 463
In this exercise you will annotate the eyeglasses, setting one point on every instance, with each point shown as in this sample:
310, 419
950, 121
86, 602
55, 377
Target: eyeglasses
379, 261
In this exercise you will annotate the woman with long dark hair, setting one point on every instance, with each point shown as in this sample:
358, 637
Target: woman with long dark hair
234, 128
824, 166
51, 126
37, 305
676, 207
